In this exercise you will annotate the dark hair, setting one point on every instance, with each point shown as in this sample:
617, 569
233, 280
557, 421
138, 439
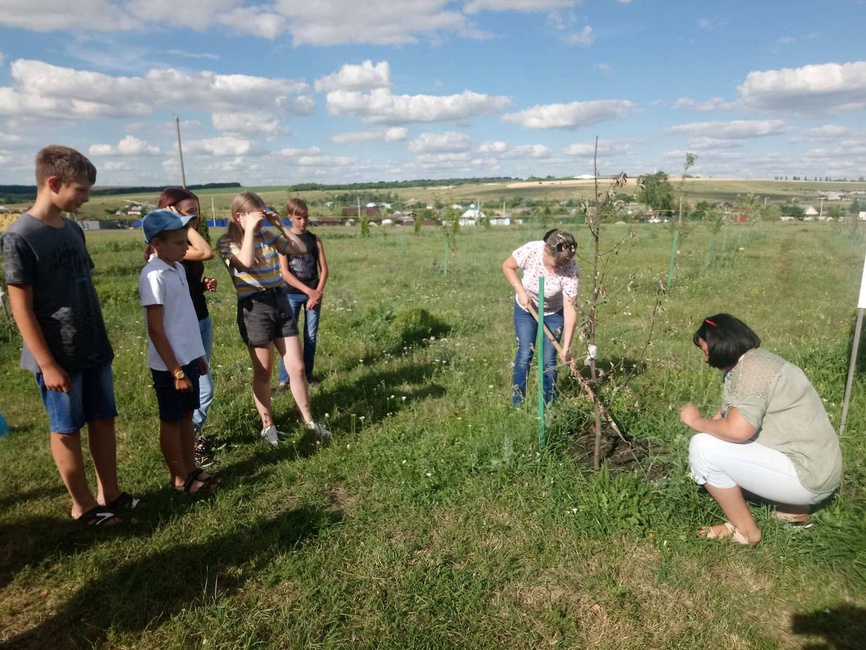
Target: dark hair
728, 338
171, 196
560, 245
67, 164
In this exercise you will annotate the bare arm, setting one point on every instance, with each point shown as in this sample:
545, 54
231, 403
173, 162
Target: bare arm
569, 314
21, 299
731, 428
199, 250
509, 269
156, 332
289, 243
290, 278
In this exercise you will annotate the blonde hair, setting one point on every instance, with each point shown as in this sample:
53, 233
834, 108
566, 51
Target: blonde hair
243, 202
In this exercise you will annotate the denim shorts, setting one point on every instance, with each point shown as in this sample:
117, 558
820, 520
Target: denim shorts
90, 398
174, 405
265, 317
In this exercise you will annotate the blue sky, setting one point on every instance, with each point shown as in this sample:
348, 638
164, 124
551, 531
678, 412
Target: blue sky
339, 91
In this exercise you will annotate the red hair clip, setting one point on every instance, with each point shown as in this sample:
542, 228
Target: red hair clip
709, 322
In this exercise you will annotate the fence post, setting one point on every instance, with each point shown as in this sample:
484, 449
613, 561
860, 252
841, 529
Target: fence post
539, 357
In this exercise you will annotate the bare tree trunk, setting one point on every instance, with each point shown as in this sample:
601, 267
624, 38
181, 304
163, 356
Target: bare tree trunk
595, 228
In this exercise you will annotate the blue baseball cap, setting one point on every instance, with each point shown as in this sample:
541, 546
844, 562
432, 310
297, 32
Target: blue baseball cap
159, 220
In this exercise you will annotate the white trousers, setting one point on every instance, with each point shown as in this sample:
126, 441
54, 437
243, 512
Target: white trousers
764, 472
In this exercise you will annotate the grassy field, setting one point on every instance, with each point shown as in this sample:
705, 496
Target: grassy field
433, 520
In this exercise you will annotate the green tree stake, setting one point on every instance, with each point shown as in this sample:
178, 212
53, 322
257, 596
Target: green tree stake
709, 250
539, 358
725, 239
673, 258
445, 266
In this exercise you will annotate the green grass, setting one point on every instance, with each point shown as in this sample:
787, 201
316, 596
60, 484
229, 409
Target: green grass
432, 520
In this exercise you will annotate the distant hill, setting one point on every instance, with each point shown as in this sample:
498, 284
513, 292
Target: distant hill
22, 193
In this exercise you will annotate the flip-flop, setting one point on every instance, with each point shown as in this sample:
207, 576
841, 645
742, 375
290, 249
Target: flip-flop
730, 533
213, 478
124, 501
207, 485
98, 516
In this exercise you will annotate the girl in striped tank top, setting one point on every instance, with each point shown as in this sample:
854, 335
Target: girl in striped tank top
264, 315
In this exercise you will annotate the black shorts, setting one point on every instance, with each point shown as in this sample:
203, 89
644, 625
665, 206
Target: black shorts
174, 404
264, 317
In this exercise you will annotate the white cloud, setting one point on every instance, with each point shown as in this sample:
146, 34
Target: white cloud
381, 106
525, 6
704, 142
571, 116
496, 146
537, 151
196, 15
808, 90
51, 15
357, 78
714, 104
221, 146
381, 23
604, 68
734, 130
193, 55
393, 134
826, 132
250, 123
41, 90
128, 146
255, 21
711, 24
440, 142
313, 157
583, 37
606, 149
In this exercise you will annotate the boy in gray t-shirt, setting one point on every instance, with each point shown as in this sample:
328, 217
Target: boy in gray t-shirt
66, 346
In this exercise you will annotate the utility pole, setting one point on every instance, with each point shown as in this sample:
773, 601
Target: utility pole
821, 209
180, 151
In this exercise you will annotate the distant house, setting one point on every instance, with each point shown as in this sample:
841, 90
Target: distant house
368, 211
503, 220
471, 217
808, 210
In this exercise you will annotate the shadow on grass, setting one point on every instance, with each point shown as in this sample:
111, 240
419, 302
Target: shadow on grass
841, 628
376, 395
145, 593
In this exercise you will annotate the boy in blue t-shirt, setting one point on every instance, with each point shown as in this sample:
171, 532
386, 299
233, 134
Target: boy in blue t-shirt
66, 347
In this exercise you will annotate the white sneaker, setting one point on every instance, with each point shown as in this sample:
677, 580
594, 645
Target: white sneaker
270, 434
319, 430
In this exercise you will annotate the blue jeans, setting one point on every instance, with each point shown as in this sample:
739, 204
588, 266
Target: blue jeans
205, 382
298, 301
526, 329
90, 398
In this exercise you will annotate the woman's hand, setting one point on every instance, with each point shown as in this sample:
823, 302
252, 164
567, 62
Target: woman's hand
690, 414
523, 298
565, 355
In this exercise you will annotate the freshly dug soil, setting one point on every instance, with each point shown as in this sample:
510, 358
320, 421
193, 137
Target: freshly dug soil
621, 455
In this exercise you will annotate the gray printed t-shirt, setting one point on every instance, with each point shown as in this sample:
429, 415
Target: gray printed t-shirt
56, 264
777, 399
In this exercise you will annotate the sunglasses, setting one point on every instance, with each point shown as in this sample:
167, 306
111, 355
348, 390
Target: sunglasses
563, 246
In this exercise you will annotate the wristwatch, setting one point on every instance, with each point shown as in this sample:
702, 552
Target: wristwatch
179, 374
